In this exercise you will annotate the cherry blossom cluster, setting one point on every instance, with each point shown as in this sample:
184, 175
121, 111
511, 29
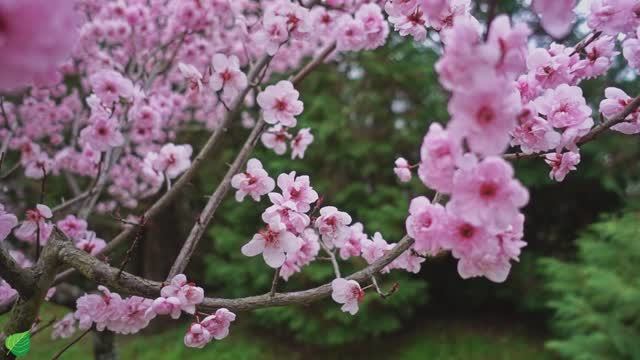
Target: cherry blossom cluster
108, 310
293, 235
504, 93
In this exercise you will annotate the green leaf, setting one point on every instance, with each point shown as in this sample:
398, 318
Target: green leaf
19, 344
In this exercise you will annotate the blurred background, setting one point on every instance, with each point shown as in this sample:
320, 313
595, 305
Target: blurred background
575, 294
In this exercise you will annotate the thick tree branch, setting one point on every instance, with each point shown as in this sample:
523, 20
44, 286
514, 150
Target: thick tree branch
595, 132
102, 273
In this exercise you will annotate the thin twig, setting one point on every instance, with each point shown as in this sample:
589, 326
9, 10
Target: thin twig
332, 257
274, 283
59, 353
39, 329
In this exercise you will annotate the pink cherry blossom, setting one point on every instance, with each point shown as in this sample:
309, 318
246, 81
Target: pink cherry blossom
187, 293
172, 160
425, 225
402, 169
616, 100
375, 248
7, 293
110, 86
333, 226
556, 16
280, 104
561, 164
38, 167
465, 239
509, 44
613, 16
273, 242
254, 182
353, 245
102, 134
375, 27
227, 75
631, 52
287, 212
485, 115
276, 138
64, 328
133, 316
534, 133
351, 34
166, 306
438, 154
487, 194
33, 53
193, 76
599, 58
297, 189
72, 226
35, 219
347, 292
566, 108
88, 242
100, 310
411, 22
307, 253
408, 261
300, 143
197, 336
7, 223
549, 70
218, 324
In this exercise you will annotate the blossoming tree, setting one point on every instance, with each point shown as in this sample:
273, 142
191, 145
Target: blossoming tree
99, 92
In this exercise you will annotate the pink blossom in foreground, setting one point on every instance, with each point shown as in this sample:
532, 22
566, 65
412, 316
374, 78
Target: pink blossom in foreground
438, 154
509, 43
557, 16
375, 27
599, 58
89, 243
187, 293
287, 212
533, 133
165, 306
35, 219
197, 336
193, 76
276, 138
408, 261
300, 143
7, 223
133, 316
561, 164
333, 226
549, 70
102, 134
485, 115
402, 169
280, 104
172, 160
99, 309
425, 225
614, 16
31, 53
254, 182
616, 100
307, 253
353, 245
487, 194
347, 292
465, 239
72, 226
64, 328
297, 189
218, 324
407, 23
273, 242
227, 75
110, 86
351, 34
631, 52
374, 248
7, 293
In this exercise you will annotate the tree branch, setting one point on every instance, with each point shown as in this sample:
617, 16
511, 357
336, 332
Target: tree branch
19, 278
100, 272
595, 131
